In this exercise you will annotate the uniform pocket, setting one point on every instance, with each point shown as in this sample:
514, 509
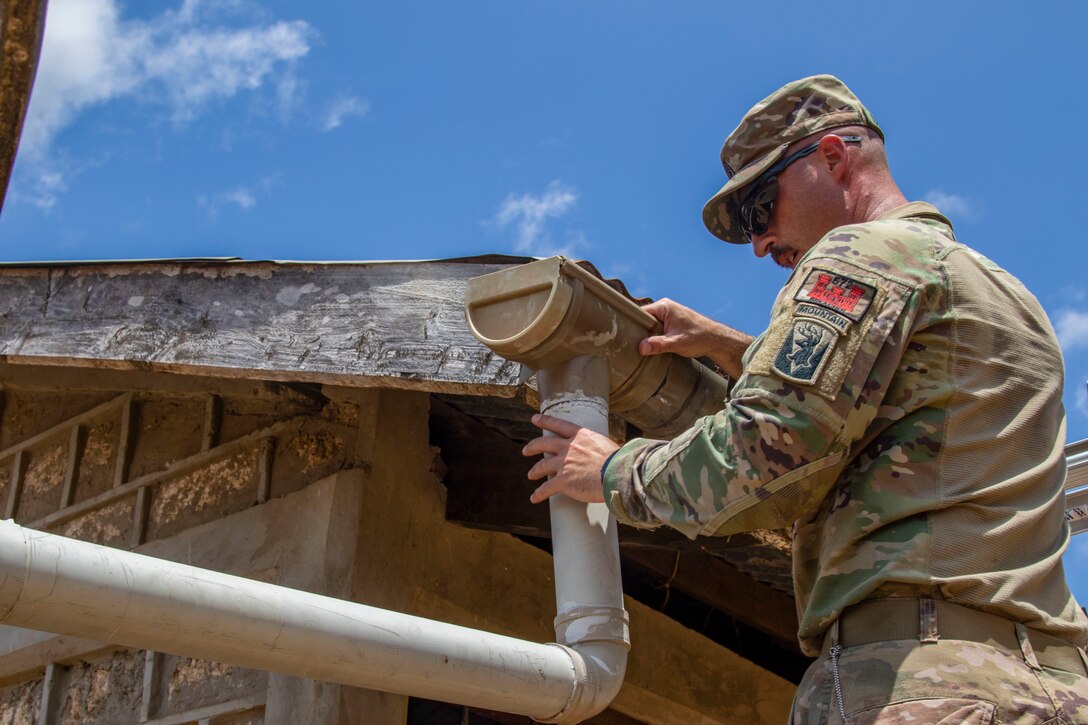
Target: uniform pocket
927, 711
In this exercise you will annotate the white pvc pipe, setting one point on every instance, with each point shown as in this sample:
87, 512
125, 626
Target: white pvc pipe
585, 548
62, 585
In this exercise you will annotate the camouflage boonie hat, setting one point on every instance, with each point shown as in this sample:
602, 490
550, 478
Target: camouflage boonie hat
794, 111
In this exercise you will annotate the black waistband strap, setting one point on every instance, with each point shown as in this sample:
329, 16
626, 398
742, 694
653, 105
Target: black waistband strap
928, 620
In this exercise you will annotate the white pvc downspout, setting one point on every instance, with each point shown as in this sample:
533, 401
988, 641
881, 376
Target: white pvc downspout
585, 547
71, 587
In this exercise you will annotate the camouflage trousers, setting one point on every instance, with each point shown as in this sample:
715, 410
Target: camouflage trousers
950, 681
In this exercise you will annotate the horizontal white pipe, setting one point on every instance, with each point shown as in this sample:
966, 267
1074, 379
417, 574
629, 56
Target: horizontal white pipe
62, 585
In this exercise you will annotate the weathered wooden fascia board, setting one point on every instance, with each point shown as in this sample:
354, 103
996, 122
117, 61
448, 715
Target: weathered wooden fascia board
38, 378
397, 324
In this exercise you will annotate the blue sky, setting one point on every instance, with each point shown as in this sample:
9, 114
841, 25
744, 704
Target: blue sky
332, 131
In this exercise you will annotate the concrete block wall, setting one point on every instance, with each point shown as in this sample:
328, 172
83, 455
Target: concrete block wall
139, 469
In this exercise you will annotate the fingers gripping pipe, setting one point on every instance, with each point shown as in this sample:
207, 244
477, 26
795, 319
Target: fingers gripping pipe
591, 620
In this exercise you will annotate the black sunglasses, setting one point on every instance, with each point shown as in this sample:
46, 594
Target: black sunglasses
754, 213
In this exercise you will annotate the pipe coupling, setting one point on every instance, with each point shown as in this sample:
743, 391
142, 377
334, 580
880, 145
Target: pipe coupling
589, 623
583, 679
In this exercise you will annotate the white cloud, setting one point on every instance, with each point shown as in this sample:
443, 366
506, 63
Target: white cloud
1073, 293
85, 60
289, 90
46, 187
529, 214
952, 205
1080, 399
194, 66
1072, 329
90, 55
242, 197
177, 61
342, 109
210, 206
270, 182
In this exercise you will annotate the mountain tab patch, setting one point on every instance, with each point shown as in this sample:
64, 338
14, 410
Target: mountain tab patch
815, 312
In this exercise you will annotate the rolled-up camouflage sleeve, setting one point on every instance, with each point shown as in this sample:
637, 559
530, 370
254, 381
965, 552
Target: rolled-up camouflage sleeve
811, 384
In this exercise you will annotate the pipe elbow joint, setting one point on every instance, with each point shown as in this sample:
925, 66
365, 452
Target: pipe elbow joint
599, 669
598, 639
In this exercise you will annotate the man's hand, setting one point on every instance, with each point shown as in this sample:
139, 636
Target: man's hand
573, 458
690, 334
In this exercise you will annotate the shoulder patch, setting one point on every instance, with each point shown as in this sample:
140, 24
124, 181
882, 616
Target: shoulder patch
814, 312
837, 292
805, 351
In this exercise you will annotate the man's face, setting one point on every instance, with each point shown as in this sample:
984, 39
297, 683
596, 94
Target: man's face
809, 203
789, 231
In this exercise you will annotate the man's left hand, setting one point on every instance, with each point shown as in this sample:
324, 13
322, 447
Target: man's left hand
573, 459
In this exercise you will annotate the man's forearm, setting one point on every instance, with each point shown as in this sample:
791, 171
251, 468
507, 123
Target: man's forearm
727, 348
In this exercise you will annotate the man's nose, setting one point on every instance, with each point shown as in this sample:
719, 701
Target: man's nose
761, 244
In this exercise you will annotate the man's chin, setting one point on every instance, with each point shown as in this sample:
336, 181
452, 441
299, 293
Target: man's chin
784, 255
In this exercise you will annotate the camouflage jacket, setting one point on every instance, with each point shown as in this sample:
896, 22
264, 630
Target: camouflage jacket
903, 413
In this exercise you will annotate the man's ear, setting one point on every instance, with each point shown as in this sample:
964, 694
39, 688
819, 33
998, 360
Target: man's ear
832, 152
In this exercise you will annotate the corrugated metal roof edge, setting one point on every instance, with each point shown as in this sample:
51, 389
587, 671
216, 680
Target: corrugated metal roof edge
477, 259
1076, 461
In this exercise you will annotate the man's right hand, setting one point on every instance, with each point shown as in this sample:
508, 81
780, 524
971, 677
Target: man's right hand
690, 334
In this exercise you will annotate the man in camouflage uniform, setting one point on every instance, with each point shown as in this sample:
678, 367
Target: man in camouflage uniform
902, 413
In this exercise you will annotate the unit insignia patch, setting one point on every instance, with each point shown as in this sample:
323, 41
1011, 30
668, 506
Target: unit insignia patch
806, 349
837, 292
